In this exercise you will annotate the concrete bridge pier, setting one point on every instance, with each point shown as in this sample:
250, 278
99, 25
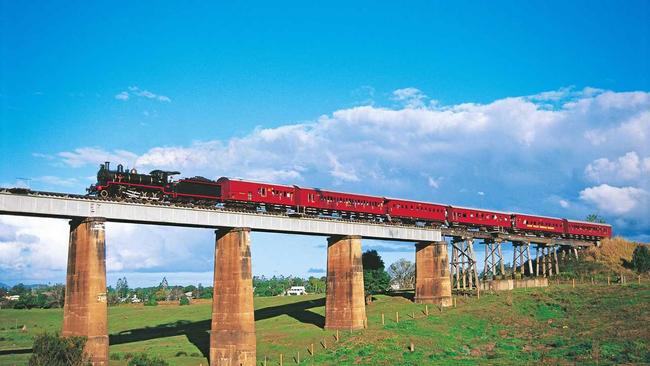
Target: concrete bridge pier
432, 282
232, 334
85, 312
345, 306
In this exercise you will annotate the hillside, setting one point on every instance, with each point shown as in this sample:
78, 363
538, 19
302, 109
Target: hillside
611, 258
613, 253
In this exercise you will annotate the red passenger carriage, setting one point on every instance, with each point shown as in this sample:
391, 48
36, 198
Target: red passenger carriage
311, 200
588, 229
271, 195
538, 224
473, 217
414, 210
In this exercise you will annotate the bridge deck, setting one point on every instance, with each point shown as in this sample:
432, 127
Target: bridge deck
65, 206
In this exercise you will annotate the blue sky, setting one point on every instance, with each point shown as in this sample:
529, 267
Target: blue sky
541, 107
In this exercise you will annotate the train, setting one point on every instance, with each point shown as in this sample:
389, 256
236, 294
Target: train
295, 200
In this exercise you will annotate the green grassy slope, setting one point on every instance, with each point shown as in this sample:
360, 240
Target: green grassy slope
588, 324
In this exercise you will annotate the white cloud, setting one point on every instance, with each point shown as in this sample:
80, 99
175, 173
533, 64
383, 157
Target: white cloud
627, 168
90, 155
410, 97
564, 203
122, 96
434, 183
32, 249
57, 181
136, 91
617, 200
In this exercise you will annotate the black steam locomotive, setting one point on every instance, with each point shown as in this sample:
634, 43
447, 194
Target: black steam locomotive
155, 186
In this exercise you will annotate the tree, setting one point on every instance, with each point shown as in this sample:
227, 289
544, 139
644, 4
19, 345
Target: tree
175, 293
151, 301
19, 289
375, 282
402, 273
595, 218
122, 288
316, 285
184, 300
189, 288
371, 260
375, 278
641, 259
206, 293
163, 284
53, 350
58, 295
163, 290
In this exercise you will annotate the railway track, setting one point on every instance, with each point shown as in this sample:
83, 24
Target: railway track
465, 232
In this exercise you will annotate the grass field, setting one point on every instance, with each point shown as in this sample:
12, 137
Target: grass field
558, 325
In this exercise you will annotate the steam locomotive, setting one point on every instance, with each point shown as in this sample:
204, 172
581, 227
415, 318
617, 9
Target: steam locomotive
155, 186
158, 185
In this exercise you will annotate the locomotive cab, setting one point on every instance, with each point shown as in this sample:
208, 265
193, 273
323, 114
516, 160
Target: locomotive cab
162, 175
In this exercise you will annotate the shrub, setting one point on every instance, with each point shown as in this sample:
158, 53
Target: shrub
181, 353
184, 300
144, 360
151, 301
641, 259
115, 356
53, 350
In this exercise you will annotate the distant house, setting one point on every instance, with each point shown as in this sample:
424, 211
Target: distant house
296, 291
13, 297
135, 299
188, 294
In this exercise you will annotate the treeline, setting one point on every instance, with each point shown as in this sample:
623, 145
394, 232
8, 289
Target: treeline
278, 285
21, 296
400, 275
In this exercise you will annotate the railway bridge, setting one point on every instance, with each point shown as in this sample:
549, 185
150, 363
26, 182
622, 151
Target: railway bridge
232, 334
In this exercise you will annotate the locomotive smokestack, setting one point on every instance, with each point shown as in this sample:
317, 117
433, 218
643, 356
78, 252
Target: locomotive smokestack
107, 164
